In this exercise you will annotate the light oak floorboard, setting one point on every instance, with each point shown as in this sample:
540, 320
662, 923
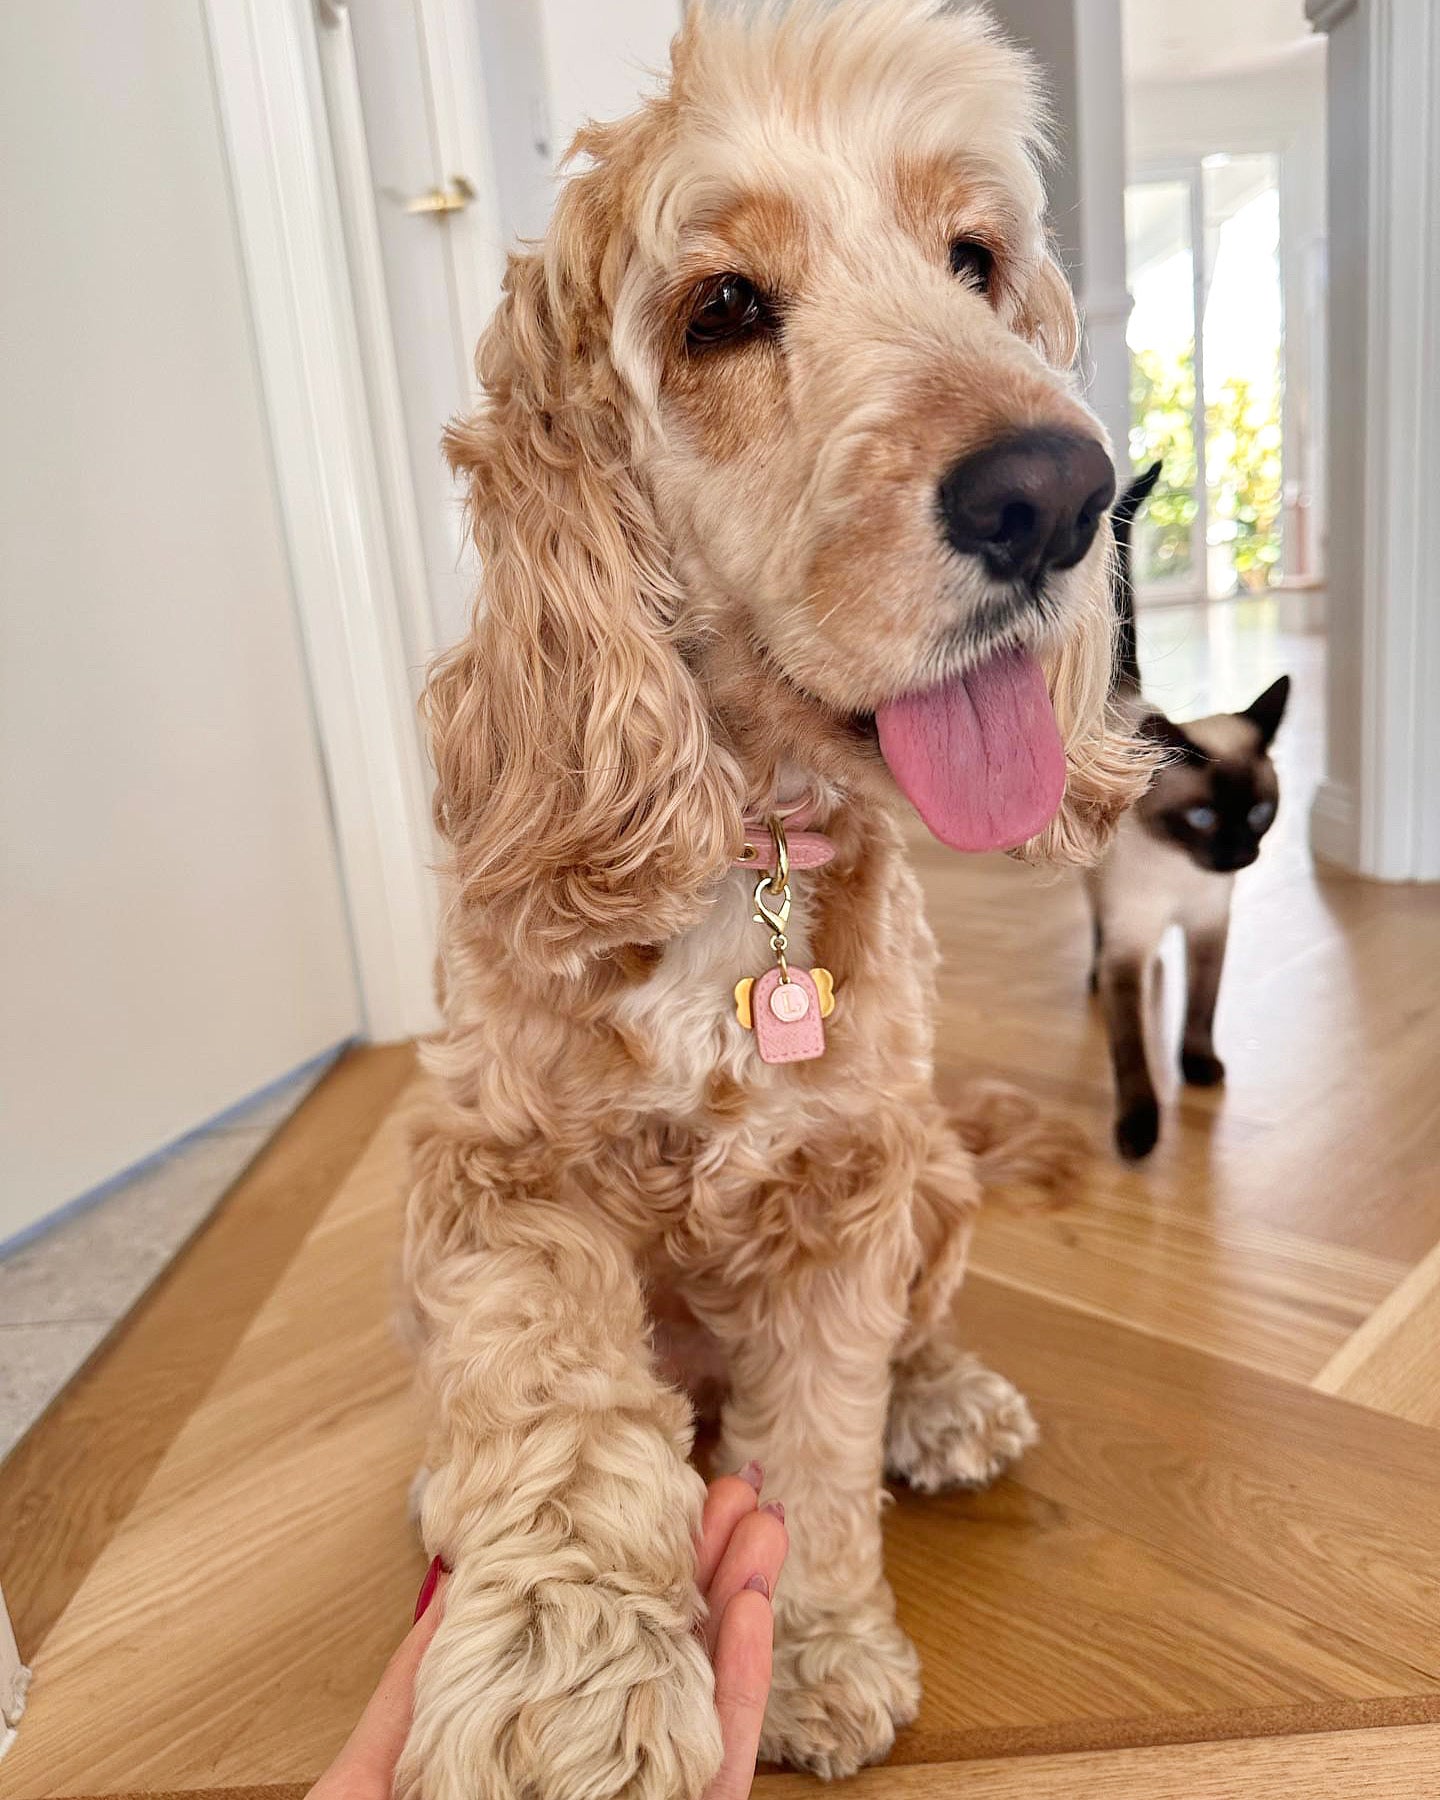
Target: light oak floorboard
1347, 1765
266, 1572
74, 1478
1392, 1363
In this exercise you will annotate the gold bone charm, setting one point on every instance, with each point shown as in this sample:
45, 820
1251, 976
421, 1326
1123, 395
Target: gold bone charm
824, 986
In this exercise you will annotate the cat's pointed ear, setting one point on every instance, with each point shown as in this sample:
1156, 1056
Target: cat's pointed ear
1138, 492
1171, 737
1266, 713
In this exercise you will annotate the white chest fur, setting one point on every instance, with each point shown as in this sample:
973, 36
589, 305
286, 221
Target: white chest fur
685, 1011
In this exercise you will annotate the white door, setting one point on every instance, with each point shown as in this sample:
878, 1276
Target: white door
174, 932
422, 100
468, 103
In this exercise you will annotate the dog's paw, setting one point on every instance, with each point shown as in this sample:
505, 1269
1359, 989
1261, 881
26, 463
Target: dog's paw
1137, 1130
839, 1695
1201, 1069
573, 1690
959, 1425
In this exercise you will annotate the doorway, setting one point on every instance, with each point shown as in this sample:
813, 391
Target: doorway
1206, 340
1226, 265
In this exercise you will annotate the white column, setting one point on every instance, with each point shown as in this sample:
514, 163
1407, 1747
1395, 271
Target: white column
1079, 45
1378, 809
1104, 297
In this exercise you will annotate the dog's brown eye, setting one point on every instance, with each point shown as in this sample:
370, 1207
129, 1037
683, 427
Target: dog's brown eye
727, 306
973, 263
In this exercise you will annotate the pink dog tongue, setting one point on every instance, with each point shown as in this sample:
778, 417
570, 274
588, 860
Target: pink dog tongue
979, 758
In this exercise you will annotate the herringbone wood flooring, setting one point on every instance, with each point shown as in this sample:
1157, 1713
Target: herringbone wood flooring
1218, 1575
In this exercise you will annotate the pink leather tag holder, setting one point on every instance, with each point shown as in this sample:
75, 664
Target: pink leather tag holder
788, 1022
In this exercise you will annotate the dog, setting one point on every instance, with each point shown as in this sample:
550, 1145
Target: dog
787, 509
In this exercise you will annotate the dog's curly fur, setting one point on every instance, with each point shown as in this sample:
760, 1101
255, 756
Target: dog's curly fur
699, 569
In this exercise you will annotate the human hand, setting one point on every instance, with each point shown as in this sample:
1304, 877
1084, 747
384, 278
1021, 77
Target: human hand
365, 1767
739, 1555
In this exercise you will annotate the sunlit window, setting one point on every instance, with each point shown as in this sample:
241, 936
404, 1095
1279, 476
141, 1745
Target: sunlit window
1203, 242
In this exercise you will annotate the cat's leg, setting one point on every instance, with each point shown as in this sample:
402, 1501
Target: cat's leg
1123, 973
1204, 962
1095, 899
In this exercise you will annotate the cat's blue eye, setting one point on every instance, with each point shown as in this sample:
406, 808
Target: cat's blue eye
1260, 814
1200, 818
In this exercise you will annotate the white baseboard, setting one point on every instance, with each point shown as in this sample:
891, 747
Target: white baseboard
1334, 826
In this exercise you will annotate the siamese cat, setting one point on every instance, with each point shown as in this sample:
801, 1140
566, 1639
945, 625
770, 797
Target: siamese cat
1173, 862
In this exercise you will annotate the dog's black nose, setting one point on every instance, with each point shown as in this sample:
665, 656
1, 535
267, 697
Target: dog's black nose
1030, 503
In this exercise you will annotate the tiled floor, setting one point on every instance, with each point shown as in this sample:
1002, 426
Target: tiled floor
62, 1293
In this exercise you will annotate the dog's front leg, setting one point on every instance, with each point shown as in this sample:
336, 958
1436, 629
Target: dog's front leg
567, 1661
810, 1380
953, 1422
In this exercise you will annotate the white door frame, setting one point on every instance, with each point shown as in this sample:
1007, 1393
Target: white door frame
356, 199
354, 557
1381, 817
450, 42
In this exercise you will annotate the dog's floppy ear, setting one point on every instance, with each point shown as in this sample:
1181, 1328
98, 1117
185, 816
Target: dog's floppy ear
1047, 317
584, 802
1108, 765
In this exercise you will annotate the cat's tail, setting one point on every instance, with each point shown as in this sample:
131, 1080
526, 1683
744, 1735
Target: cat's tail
1122, 517
1019, 1145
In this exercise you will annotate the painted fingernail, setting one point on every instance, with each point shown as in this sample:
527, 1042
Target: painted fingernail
757, 1584
754, 1474
774, 1506
428, 1587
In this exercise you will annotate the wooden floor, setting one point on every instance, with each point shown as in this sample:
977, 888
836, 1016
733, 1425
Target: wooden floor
1218, 1575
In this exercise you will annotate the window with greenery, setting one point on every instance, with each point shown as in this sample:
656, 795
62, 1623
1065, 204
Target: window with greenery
1214, 522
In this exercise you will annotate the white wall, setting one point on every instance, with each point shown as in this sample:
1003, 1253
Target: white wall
174, 934
518, 102
1078, 44
1378, 809
601, 55
1259, 109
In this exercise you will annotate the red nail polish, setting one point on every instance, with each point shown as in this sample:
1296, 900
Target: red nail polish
757, 1584
774, 1506
428, 1587
753, 1474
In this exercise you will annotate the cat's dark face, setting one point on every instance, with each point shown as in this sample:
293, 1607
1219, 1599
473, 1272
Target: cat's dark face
1218, 795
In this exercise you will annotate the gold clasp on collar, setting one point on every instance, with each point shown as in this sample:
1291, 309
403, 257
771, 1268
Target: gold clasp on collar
772, 895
